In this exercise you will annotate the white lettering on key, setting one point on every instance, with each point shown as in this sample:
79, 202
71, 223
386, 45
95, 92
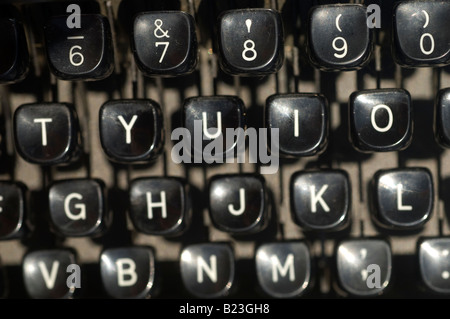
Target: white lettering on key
49, 279
161, 204
400, 205
374, 123
283, 270
241, 209
296, 133
210, 270
317, 198
127, 127
126, 276
81, 207
43, 129
219, 126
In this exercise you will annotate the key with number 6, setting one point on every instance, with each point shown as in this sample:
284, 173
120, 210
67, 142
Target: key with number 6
83, 53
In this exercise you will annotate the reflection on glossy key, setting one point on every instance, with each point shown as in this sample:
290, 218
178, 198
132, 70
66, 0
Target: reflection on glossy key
45, 274
47, 133
238, 203
250, 41
320, 200
420, 36
302, 120
283, 269
380, 120
160, 205
164, 43
83, 53
364, 266
128, 272
78, 208
333, 42
434, 261
403, 198
208, 270
14, 221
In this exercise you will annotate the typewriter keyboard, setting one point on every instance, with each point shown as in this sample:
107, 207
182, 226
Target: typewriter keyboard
224, 149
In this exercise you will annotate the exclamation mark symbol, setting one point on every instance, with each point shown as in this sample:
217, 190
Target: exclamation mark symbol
248, 23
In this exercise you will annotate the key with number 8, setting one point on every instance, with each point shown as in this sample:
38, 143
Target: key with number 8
250, 41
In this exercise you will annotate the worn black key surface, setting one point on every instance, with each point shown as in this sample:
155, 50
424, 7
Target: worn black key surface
434, 262
321, 200
45, 274
338, 37
364, 266
84, 53
208, 270
283, 269
442, 117
420, 37
207, 120
128, 272
250, 41
47, 133
14, 57
160, 205
78, 208
380, 120
131, 130
302, 123
403, 198
238, 203
164, 43
14, 221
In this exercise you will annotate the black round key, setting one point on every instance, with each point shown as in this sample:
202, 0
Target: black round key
434, 262
284, 269
208, 270
160, 205
45, 274
78, 208
238, 203
321, 200
380, 120
338, 37
302, 121
47, 133
128, 272
14, 57
442, 118
364, 266
403, 198
164, 43
83, 53
420, 38
250, 41
131, 131
13, 210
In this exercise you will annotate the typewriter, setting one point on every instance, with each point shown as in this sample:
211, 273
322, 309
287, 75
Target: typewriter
215, 149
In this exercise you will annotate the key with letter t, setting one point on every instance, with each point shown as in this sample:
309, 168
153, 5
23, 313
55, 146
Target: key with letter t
250, 41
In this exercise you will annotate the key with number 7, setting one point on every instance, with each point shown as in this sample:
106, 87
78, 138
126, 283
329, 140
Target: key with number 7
164, 43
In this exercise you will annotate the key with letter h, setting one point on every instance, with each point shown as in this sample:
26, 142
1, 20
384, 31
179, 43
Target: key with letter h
160, 205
